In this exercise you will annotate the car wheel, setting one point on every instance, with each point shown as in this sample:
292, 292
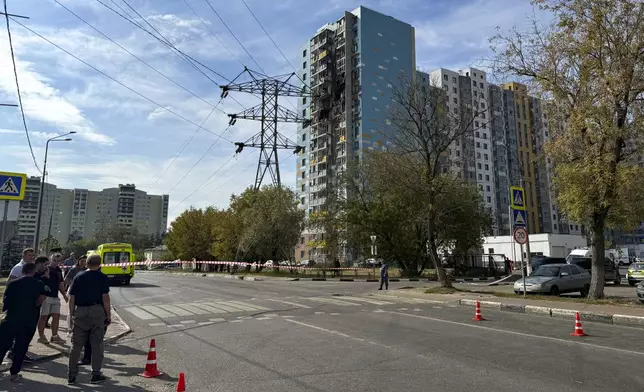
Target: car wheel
584, 291
631, 283
554, 290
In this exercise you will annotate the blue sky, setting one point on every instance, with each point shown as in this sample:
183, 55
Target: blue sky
123, 138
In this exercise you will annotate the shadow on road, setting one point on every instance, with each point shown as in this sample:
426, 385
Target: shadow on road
136, 285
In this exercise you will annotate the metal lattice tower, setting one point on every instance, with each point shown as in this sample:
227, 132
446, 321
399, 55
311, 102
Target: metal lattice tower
269, 113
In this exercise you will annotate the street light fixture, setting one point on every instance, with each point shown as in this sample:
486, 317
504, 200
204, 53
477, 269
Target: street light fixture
58, 138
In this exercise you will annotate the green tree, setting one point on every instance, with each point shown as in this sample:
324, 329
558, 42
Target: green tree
422, 129
49, 243
190, 234
80, 247
589, 64
271, 221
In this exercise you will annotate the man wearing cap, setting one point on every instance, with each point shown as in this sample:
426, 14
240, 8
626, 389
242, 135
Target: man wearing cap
89, 307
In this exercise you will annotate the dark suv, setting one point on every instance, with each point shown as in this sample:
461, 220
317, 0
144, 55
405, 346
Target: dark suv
611, 271
538, 261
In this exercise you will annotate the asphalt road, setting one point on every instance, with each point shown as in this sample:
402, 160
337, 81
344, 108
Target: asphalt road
230, 335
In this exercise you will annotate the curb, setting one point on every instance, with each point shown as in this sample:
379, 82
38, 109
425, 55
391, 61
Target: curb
567, 314
107, 340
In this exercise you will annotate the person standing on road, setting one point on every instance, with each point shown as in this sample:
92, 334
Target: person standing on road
28, 256
384, 276
21, 302
89, 307
53, 279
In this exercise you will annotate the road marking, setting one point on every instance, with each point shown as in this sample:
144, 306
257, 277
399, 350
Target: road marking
157, 311
175, 326
217, 320
140, 313
334, 314
369, 301
209, 308
319, 312
191, 308
188, 322
332, 301
244, 306
236, 321
176, 310
227, 308
206, 323
157, 325
403, 309
527, 335
290, 303
287, 317
263, 318
403, 300
344, 335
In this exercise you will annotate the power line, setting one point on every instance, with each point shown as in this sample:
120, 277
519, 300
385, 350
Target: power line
135, 56
234, 36
269, 36
119, 82
276, 45
203, 183
213, 33
176, 184
15, 74
185, 144
176, 51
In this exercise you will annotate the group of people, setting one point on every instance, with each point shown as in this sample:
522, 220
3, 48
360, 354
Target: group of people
32, 297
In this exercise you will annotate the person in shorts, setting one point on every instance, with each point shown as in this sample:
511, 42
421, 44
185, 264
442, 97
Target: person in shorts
53, 280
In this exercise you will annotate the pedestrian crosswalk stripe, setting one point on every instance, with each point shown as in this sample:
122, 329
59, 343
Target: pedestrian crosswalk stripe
252, 307
242, 306
157, 311
209, 308
297, 305
176, 310
369, 301
398, 299
192, 308
332, 301
226, 308
140, 313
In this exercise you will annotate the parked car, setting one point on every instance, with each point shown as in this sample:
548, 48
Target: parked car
611, 271
635, 273
555, 279
538, 261
640, 292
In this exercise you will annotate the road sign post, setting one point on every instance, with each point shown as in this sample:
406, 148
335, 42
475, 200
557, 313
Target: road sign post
12, 187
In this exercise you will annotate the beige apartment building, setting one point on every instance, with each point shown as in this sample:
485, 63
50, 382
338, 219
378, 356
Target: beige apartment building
73, 214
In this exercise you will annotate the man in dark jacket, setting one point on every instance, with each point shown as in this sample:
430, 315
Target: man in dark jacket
21, 302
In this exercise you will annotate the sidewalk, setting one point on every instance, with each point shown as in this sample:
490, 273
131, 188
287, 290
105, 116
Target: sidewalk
632, 316
39, 351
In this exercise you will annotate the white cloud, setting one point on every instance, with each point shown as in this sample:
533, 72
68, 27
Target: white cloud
42, 102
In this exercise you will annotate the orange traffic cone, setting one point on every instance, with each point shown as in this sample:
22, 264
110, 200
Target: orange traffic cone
477, 315
579, 330
151, 365
181, 385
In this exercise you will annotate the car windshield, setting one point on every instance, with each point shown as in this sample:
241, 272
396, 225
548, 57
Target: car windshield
546, 270
637, 266
116, 257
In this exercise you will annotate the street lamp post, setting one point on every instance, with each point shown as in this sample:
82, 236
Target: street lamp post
42, 185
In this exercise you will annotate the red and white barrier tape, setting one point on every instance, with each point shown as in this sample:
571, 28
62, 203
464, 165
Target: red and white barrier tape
238, 263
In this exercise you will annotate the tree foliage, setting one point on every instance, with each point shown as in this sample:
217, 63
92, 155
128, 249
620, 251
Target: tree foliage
589, 65
257, 226
50, 242
417, 170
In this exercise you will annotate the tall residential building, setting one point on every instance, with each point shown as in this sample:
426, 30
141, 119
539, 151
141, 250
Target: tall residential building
472, 156
350, 65
72, 214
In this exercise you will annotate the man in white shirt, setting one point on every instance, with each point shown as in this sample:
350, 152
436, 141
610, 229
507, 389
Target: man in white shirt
28, 257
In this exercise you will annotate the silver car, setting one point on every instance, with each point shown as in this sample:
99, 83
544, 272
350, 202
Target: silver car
555, 279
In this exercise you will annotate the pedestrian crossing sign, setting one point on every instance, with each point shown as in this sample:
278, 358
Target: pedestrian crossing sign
517, 198
519, 218
12, 186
